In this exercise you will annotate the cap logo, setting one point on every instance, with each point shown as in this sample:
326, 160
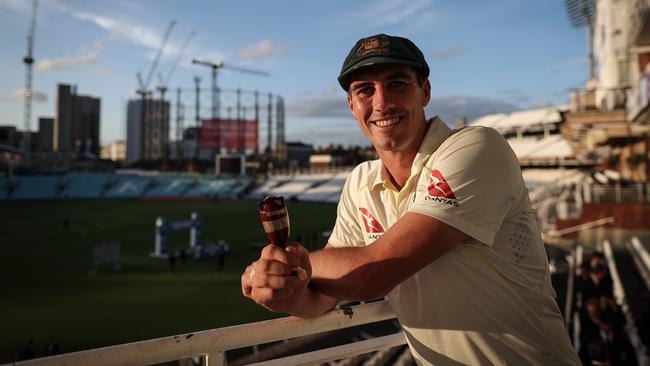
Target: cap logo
373, 46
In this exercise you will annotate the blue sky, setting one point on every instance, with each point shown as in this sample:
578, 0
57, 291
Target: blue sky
485, 56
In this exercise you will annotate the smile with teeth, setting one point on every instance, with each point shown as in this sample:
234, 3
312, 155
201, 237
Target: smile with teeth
387, 122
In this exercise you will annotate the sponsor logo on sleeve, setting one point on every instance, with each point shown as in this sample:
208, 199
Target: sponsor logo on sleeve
373, 228
439, 189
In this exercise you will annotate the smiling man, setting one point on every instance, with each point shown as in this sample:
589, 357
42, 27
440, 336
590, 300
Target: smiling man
441, 225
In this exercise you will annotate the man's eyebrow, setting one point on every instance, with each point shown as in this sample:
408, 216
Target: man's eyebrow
359, 84
395, 75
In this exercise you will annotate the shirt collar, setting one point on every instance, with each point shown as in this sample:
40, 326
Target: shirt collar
437, 133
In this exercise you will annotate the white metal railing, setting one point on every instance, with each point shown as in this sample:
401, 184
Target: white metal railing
619, 295
636, 193
212, 344
573, 229
641, 259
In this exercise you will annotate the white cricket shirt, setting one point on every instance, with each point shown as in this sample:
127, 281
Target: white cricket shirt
489, 300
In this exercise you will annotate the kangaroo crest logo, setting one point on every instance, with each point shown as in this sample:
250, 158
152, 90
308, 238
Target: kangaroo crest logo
438, 186
371, 224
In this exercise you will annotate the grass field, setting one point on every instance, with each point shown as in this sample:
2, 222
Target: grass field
47, 287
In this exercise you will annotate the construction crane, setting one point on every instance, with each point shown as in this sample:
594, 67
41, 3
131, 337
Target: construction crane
143, 86
144, 92
162, 83
28, 60
216, 65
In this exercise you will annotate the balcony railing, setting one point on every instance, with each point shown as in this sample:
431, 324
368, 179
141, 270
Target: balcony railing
212, 344
638, 98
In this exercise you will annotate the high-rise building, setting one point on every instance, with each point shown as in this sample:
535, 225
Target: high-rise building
115, 151
76, 127
8, 136
45, 137
147, 131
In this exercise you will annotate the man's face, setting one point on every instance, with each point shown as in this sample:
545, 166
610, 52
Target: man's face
389, 105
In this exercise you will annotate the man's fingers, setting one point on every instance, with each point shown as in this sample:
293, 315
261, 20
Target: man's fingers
247, 280
265, 295
276, 253
273, 267
277, 282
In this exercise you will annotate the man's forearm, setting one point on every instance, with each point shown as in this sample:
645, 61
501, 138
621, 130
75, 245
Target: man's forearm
313, 304
342, 273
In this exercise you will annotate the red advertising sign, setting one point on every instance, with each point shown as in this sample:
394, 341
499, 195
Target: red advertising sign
228, 134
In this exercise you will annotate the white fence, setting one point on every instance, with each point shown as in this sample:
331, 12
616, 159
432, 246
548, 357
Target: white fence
212, 344
633, 193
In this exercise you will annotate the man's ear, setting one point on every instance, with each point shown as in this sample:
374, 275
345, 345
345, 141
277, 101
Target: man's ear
426, 88
350, 104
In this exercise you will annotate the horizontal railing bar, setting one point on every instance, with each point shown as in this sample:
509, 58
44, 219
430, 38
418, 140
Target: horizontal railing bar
338, 352
587, 225
221, 339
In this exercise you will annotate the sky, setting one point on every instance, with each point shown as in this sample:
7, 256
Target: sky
485, 56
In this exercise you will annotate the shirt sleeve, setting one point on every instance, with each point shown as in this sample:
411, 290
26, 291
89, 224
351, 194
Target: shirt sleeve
347, 230
471, 182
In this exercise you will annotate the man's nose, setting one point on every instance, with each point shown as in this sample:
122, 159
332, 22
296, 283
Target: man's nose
381, 100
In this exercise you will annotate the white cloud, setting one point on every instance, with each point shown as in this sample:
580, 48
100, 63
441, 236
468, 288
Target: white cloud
386, 13
128, 31
330, 90
260, 50
448, 53
21, 7
19, 96
83, 57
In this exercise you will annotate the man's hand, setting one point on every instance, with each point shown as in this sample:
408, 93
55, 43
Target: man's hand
279, 278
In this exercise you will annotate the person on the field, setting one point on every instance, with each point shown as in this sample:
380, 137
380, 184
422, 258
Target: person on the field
441, 225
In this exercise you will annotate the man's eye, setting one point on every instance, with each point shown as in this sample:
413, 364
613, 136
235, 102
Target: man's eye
365, 91
397, 84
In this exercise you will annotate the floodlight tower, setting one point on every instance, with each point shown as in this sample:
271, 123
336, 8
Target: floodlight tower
28, 60
581, 13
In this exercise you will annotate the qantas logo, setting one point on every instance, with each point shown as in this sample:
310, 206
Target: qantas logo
438, 186
371, 224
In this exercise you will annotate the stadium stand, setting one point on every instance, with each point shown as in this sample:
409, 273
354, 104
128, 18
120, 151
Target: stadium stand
167, 187
83, 184
330, 191
268, 185
553, 146
35, 187
299, 184
125, 186
536, 119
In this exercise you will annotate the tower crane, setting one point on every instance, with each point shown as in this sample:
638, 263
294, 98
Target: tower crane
143, 86
144, 92
28, 60
216, 65
162, 83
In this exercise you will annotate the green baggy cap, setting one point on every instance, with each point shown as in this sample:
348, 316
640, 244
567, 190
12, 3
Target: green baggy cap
382, 49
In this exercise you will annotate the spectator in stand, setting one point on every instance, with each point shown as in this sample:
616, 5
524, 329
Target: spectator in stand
619, 349
611, 310
589, 329
585, 287
602, 279
598, 258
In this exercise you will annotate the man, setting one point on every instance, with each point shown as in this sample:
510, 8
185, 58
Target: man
441, 225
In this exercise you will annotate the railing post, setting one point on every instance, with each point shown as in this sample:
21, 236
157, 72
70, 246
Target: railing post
214, 359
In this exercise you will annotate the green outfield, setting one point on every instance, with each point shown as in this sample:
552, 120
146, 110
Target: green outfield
48, 288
